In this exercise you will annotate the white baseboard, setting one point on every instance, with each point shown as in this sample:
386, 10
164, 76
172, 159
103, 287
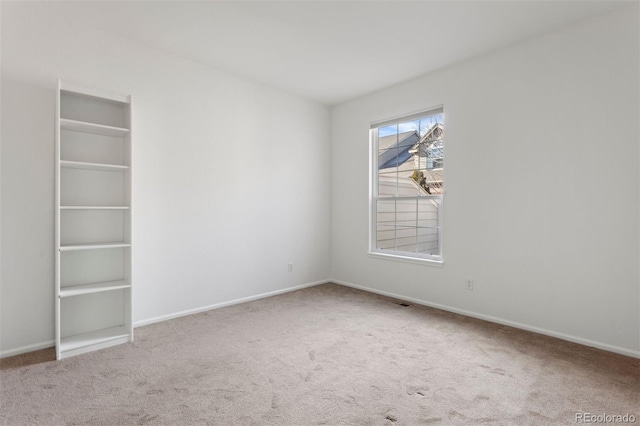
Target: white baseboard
223, 304
43, 345
28, 348
570, 338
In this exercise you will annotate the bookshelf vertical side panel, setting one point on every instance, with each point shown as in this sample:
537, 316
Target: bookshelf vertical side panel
128, 216
57, 221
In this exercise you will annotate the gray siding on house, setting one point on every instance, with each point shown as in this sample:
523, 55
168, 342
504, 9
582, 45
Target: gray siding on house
406, 225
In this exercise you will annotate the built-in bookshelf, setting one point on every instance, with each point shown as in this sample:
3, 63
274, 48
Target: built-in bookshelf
93, 219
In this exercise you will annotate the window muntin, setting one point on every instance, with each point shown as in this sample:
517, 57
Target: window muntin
407, 182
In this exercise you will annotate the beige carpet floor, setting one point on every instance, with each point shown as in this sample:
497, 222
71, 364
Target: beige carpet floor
326, 355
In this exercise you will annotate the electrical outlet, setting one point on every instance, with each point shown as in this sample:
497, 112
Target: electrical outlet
290, 266
469, 284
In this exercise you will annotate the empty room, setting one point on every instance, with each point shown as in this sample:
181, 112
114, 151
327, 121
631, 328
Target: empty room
320, 212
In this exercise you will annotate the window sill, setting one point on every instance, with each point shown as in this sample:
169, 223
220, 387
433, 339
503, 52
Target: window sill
406, 259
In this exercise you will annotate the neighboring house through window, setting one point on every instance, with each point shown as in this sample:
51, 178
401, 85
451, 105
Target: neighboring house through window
407, 186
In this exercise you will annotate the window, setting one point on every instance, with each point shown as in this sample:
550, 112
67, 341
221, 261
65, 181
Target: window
407, 165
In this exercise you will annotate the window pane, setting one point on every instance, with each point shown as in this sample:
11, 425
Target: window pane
408, 225
409, 126
433, 181
388, 183
406, 222
386, 224
419, 179
387, 130
428, 226
394, 150
428, 123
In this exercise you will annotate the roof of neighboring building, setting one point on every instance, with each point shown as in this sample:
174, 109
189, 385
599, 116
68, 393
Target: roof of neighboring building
396, 150
434, 133
396, 153
432, 136
386, 142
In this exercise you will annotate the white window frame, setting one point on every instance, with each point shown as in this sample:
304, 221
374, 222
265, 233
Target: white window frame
389, 254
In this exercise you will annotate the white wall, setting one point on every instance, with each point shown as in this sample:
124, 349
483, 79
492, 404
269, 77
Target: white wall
230, 178
549, 230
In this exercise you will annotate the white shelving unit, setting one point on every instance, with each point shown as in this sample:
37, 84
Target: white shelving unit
93, 219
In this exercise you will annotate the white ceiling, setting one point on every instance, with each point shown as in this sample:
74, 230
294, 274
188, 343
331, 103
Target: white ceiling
331, 51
